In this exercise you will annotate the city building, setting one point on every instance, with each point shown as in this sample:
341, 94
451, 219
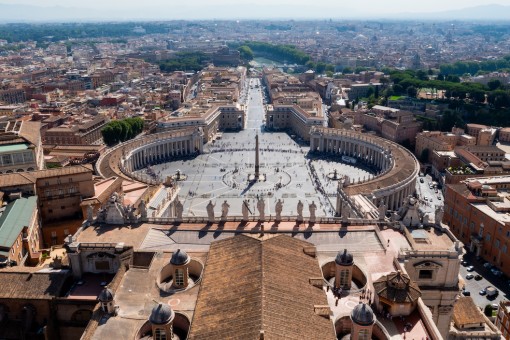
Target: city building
78, 130
503, 319
469, 322
20, 146
20, 232
393, 124
59, 194
476, 210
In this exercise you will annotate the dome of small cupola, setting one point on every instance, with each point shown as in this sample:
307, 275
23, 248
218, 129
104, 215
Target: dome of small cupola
180, 258
344, 258
161, 314
363, 315
106, 295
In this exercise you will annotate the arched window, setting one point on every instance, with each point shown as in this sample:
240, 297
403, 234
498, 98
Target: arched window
344, 277
159, 334
179, 277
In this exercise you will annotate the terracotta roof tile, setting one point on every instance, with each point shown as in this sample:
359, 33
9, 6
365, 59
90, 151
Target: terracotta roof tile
397, 287
252, 285
23, 285
466, 312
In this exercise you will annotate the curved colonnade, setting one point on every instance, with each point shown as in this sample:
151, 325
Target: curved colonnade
398, 167
123, 159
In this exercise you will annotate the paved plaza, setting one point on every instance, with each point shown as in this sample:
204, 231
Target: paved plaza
289, 174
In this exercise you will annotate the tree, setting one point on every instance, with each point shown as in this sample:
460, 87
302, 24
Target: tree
320, 67
499, 99
246, 53
488, 310
310, 65
347, 70
412, 91
121, 130
494, 84
477, 96
422, 75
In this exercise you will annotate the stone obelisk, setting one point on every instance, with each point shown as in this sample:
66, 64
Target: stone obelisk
257, 170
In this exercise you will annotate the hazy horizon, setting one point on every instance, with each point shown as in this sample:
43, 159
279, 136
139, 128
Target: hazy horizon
372, 5
61, 10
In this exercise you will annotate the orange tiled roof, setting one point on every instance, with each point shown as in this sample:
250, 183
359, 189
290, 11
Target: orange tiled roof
252, 285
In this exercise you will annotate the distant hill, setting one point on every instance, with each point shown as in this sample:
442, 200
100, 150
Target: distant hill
483, 13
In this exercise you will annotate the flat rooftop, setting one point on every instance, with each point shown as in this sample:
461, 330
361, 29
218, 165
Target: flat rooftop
13, 147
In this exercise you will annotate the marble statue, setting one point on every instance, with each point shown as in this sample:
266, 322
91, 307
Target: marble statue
261, 206
312, 207
143, 210
224, 210
90, 213
101, 215
246, 210
346, 212
439, 215
411, 216
131, 213
382, 211
278, 209
114, 211
300, 211
178, 209
210, 211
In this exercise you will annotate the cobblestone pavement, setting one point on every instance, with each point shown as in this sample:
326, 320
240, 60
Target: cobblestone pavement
221, 173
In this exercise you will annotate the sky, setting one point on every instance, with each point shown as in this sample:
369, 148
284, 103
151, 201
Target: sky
383, 7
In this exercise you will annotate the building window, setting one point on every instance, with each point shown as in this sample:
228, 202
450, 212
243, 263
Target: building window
363, 334
179, 277
487, 237
6, 159
344, 278
159, 334
426, 274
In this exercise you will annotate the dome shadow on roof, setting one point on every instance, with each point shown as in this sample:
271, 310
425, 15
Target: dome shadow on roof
363, 315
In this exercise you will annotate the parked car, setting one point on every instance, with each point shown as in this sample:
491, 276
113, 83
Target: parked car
464, 263
470, 268
496, 272
495, 306
466, 293
478, 277
469, 276
421, 180
492, 292
482, 292
487, 265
